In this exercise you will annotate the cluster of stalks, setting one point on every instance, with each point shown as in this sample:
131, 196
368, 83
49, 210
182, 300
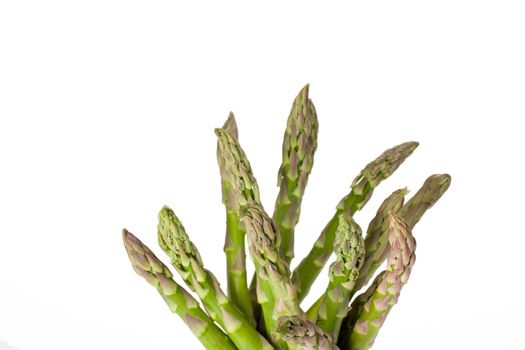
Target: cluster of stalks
265, 312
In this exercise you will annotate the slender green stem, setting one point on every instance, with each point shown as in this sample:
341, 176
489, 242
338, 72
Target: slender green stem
147, 265
236, 272
266, 301
186, 259
275, 292
239, 188
355, 310
350, 252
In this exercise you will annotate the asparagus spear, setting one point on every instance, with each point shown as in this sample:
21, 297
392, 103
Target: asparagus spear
350, 252
377, 248
275, 292
299, 145
187, 261
376, 241
431, 191
361, 191
239, 188
368, 316
147, 265
301, 334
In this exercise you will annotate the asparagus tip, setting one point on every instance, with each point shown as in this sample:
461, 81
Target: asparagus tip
230, 125
305, 90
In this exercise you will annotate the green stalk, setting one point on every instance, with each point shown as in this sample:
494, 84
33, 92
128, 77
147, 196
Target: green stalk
275, 292
187, 261
350, 252
369, 313
147, 265
239, 188
355, 310
299, 145
266, 306
361, 191
301, 334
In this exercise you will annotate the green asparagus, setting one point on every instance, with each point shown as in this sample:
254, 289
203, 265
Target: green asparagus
349, 248
299, 145
361, 190
268, 315
187, 261
275, 292
239, 188
147, 265
372, 311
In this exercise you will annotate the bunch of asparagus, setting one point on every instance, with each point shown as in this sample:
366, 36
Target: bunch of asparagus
266, 313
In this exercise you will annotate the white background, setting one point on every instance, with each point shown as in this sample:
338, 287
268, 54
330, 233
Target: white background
107, 110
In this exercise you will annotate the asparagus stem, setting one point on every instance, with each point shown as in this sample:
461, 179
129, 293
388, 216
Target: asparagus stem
275, 292
371, 311
376, 241
355, 311
147, 265
350, 252
239, 188
301, 334
361, 191
187, 261
299, 145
